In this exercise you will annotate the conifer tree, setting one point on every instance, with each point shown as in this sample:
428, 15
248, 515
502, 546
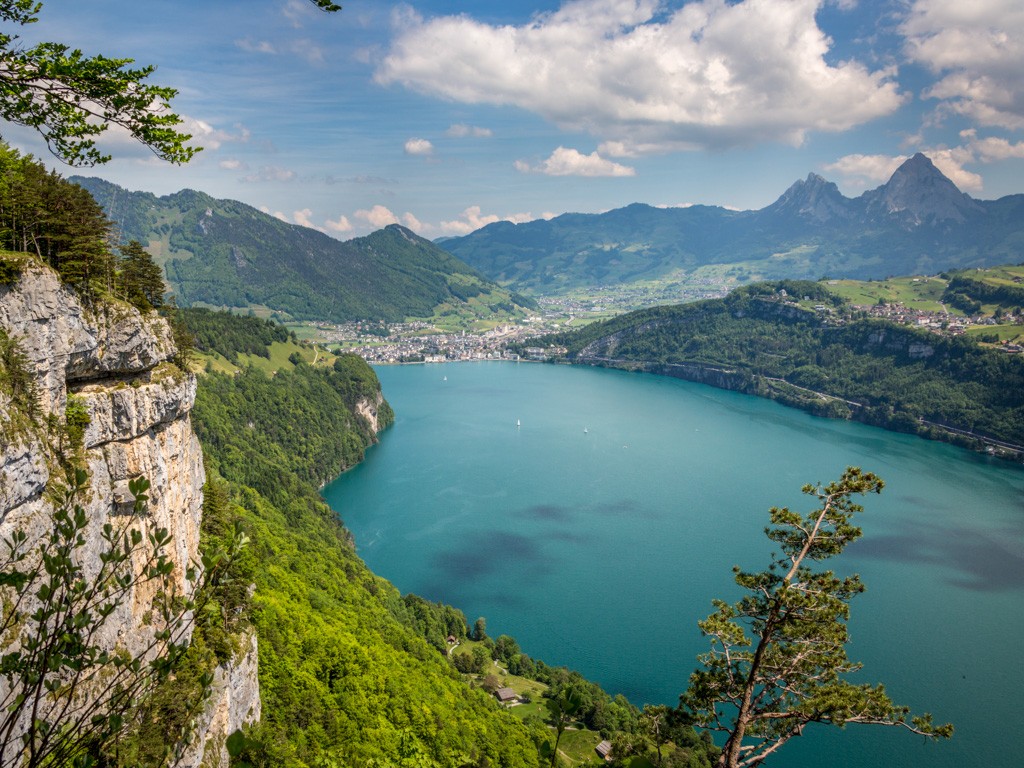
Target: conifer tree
140, 280
763, 688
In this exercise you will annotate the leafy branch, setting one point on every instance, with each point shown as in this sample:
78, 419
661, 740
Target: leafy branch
65, 693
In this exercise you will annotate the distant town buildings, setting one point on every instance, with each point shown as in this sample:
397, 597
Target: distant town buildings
420, 342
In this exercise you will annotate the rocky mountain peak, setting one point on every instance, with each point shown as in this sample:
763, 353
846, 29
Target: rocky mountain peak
813, 198
919, 193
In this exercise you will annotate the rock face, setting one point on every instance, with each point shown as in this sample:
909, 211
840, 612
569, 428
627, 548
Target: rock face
234, 700
367, 409
918, 193
813, 199
115, 362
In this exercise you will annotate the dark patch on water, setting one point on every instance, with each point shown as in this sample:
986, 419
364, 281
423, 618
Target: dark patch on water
620, 507
505, 600
925, 504
552, 512
571, 538
461, 593
624, 508
982, 563
486, 553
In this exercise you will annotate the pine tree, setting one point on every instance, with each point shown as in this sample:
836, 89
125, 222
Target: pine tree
764, 688
140, 280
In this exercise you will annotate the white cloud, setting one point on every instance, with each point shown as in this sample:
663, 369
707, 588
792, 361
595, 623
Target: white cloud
341, 224
276, 214
565, 161
952, 161
471, 219
461, 131
297, 12
993, 148
978, 49
308, 50
862, 169
117, 141
256, 46
303, 48
411, 222
418, 147
302, 218
270, 173
377, 217
231, 164
709, 74
205, 135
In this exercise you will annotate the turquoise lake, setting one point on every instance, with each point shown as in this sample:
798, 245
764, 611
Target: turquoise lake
598, 531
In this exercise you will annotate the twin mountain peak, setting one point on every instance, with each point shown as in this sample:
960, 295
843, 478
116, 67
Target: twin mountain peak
224, 253
917, 193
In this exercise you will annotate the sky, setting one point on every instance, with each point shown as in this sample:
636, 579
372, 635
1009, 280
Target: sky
445, 116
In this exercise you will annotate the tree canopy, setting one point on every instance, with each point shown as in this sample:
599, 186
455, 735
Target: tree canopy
71, 98
763, 688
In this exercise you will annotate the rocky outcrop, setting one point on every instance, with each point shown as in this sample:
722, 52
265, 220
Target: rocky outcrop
367, 409
919, 193
67, 344
902, 342
115, 362
234, 702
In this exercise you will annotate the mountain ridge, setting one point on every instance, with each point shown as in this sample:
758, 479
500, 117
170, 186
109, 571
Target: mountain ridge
917, 222
225, 253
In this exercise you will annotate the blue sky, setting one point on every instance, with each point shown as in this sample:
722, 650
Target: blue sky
445, 115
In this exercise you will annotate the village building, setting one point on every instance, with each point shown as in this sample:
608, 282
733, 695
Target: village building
506, 696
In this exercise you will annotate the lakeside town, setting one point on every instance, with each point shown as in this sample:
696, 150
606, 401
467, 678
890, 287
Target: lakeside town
421, 342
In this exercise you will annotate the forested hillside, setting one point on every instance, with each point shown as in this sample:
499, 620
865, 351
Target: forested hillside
758, 340
224, 253
343, 676
350, 671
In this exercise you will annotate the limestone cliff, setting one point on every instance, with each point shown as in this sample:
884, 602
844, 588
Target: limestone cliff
116, 362
368, 410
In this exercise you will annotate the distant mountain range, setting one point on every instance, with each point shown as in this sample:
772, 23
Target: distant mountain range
223, 253
916, 223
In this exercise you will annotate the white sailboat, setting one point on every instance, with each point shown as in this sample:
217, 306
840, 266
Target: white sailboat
518, 423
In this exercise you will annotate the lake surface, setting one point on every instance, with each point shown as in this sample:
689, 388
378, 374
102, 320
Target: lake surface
598, 532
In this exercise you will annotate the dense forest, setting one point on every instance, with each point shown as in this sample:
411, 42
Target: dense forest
758, 340
343, 675
350, 670
227, 254
56, 222
231, 336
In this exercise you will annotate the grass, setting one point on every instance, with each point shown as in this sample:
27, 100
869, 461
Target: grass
1004, 332
280, 351
924, 293
303, 331
579, 747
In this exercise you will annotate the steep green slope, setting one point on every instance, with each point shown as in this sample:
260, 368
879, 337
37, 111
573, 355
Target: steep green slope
227, 254
345, 679
756, 340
